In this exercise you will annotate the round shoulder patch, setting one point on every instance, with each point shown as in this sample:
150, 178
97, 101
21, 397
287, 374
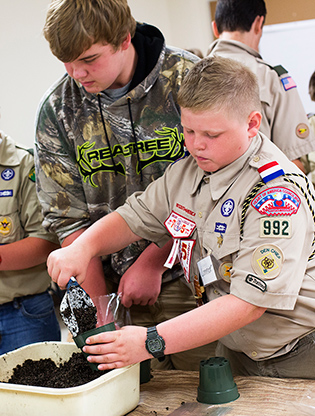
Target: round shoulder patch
267, 261
302, 130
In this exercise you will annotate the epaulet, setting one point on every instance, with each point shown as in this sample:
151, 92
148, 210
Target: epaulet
27, 149
270, 171
280, 70
186, 154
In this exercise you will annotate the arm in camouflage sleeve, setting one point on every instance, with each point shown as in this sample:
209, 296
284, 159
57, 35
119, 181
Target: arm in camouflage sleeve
59, 185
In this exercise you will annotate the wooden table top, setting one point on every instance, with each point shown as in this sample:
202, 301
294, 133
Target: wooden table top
175, 393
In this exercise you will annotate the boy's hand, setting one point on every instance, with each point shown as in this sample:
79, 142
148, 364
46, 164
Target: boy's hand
116, 349
67, 262
139, 286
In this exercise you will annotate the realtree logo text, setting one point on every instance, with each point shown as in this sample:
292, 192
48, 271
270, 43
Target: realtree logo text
166, 149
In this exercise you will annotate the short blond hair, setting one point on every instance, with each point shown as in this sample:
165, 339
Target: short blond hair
217, 83
73, 26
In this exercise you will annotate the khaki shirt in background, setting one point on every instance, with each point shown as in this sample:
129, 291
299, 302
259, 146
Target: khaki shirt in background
20, 217
284, 118
216, 204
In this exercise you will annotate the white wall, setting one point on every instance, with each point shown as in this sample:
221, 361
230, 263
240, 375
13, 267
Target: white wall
292, 46
27, 68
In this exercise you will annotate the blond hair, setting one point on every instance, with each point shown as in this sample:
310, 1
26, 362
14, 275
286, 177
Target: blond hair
73, 26
217, 83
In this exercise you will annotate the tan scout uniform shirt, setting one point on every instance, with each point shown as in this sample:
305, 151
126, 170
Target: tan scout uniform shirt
284, 118
20, 217
265, 257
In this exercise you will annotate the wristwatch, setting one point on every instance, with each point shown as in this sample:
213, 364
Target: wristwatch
155, 344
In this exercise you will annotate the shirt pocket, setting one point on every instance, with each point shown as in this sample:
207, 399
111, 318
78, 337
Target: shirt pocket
10, 227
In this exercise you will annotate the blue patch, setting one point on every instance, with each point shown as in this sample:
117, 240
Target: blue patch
6, 192
227, 207
7, 174
220, 227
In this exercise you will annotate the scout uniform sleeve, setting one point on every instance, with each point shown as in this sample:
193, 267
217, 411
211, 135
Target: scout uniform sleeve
277, 241
58, 182
30, 215
287, 117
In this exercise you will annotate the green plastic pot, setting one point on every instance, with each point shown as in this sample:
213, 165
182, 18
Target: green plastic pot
81, 338
216, 383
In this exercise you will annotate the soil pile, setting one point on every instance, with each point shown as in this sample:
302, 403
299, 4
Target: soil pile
46, 373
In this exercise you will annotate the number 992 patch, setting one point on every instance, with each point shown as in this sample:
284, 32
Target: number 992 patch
275, 227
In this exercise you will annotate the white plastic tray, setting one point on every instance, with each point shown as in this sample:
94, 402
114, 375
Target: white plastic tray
113, 394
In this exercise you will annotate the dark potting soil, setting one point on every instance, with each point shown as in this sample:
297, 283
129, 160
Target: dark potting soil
46, 373
85, 316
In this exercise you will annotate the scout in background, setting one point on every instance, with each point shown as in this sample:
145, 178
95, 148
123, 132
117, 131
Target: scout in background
241, 218
27, 312
238, 25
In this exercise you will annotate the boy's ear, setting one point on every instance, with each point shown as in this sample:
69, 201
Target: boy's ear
254, 121
215, 29
126, 42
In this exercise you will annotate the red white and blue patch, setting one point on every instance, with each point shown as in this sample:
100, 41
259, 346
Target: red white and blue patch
270, 171
276, 201
288, 83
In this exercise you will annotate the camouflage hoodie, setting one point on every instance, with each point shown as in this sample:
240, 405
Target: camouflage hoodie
75, 167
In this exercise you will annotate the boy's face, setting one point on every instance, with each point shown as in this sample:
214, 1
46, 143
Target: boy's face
100, 67
215, 138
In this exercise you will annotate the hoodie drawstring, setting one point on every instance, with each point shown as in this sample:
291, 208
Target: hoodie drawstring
106, 135
133, 133
134, 137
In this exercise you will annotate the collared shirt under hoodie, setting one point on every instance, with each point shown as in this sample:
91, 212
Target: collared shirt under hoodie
261, 242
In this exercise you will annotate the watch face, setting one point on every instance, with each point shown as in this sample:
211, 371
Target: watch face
155, 345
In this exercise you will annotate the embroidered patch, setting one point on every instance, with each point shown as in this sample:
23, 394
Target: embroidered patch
256, 282
5, 226
6, 193
275, 227
224, 271
270, 171
276, 201
302, 131
288, 83
220, 227
7, 174
227, 207
31, 174
179, 226
267, 261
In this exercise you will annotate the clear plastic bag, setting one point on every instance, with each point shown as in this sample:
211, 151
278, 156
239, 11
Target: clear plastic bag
110, 309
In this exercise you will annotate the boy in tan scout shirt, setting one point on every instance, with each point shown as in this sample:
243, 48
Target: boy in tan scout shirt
27, 311
241, 218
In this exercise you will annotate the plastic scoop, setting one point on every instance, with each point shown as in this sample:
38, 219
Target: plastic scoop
77, 309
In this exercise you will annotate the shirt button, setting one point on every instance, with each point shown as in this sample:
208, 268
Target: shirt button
256, 158
200, 214
206, 180
254, 354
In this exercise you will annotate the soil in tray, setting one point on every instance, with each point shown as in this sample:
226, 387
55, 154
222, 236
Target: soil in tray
46, 373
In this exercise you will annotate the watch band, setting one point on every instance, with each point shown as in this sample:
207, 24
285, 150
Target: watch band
155, 344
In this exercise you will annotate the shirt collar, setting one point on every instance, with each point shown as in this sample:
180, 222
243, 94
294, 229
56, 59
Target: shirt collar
8, 154
221, 180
